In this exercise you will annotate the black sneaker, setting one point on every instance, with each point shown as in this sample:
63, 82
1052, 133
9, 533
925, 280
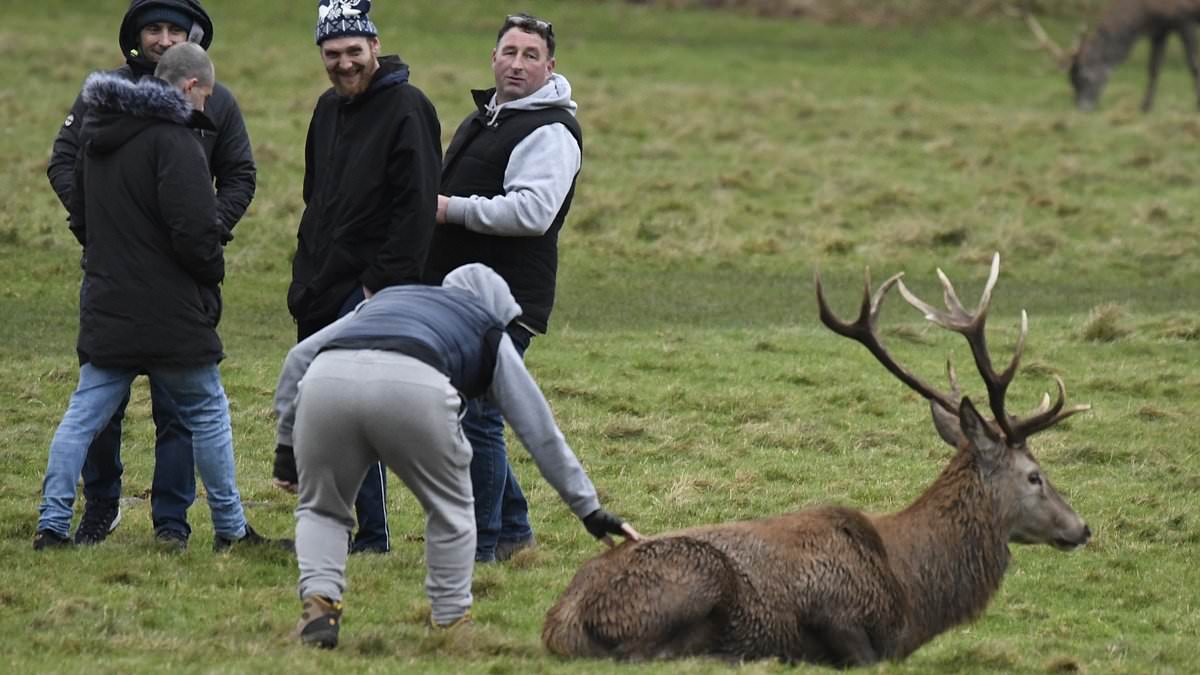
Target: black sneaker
49, 539
251, 538
100, 518
171, 540
320, 622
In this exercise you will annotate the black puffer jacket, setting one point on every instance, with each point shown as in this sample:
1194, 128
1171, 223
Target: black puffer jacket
227, 147
144, 209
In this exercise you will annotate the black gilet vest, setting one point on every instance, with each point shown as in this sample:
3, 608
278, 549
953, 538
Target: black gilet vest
474, 165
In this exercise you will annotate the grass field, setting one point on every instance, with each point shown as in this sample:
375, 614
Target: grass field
727, 157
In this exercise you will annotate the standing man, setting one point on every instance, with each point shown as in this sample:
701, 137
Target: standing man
371, 163
507, 185
387, 383
148, 29
143, 207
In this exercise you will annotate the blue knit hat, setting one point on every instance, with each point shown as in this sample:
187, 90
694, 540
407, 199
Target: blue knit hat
344, 18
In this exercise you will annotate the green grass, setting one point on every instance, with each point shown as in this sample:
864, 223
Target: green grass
727, 157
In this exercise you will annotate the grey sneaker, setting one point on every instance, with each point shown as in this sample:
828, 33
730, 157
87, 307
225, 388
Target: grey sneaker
507, 549
319, 622
100, 518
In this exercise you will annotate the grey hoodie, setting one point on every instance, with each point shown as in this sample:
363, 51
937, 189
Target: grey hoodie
513, 390
539, 175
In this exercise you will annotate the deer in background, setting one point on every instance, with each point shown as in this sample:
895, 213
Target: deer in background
833, 585
1121, 24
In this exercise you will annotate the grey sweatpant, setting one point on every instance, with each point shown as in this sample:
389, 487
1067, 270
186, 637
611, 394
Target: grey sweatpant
357, 407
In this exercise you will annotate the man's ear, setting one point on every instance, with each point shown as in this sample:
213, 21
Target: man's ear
188, 84
550, 66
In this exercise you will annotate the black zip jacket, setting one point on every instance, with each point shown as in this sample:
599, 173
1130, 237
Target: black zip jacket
230, 159
371, 167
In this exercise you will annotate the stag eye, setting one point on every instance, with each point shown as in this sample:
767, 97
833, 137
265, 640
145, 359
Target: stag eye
1035, 478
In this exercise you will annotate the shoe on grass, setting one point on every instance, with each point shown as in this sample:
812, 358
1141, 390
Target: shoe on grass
171, 540
505, 550
464, 620
320, 620
251, 538
49, 539
100, 518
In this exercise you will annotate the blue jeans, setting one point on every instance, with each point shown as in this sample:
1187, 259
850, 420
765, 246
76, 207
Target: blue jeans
370, 506
203, 410
501, 512
174, 487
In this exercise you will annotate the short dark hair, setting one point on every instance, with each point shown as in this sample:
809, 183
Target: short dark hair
529, 24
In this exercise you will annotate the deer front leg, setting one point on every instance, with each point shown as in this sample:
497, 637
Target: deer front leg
1187, 33
1158, 43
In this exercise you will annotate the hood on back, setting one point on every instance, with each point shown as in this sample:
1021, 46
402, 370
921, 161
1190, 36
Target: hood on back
121, 108
129, 36
555, 93
489, 287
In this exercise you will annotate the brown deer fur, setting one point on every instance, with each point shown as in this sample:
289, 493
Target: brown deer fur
830, 585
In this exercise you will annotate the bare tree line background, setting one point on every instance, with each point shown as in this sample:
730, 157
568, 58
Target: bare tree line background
886, 12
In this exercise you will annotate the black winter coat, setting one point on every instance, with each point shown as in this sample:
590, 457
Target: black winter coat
371, 172
144, 209
230, 158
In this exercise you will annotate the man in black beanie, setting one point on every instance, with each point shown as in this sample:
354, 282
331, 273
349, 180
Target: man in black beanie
372, 161
147, 30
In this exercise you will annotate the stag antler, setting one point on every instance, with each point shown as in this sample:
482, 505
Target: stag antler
864, 331
971, 325
1061, 57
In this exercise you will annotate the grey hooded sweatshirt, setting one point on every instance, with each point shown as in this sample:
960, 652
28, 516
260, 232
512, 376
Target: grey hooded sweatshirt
407, 329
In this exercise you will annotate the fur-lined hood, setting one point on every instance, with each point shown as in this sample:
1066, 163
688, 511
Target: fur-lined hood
121, 109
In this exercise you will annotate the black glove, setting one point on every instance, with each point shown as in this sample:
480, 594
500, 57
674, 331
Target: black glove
601, 522
285, 464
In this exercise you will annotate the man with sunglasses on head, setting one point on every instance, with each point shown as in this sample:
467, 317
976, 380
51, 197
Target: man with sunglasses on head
148, 29
507, 182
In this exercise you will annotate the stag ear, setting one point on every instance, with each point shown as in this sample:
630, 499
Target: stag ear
990, 449
947, 425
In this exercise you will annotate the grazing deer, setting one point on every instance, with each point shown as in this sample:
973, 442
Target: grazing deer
1120, 25
834, 585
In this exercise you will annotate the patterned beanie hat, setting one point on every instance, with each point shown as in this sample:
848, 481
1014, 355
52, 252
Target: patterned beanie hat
344, 18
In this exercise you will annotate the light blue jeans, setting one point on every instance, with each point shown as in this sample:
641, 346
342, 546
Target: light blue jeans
203, 410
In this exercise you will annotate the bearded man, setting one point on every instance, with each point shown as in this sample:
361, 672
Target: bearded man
372, 162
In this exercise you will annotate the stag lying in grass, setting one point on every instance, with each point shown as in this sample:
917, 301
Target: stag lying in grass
834, 585
1121, 24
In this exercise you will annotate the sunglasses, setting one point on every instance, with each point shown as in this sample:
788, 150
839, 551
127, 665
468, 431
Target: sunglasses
525, 21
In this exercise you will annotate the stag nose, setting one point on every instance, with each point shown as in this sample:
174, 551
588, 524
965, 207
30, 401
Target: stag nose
1087, 534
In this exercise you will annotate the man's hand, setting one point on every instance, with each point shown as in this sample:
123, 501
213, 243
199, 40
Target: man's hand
443, 202
284, 474
600, 524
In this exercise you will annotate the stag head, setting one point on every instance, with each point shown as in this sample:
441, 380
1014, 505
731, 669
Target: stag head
1030, 506
1088, 75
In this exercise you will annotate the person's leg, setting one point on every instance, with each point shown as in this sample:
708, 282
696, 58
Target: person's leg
102, 482
94, 402
203, 409
102, 470
174, 486
421, 441
370, 505
331, 460
515, 531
